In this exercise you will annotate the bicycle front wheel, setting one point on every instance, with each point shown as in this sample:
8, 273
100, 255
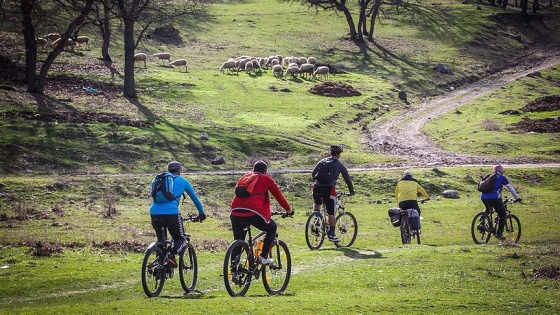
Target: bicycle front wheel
481, 228
153, 272
237, 268
512, 229
277, 275
346, 229
315, 230
188, 268
405, 231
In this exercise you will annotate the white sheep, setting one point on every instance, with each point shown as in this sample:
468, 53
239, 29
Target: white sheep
312, 60
302, 60
249, 66
277, 70
293, 71
83, 40
306, 69
41, 43
229, 66
264, 62
163, 56
52, 36
240, 63
69, 44
322, 70
256, 65
179, 63
141, 57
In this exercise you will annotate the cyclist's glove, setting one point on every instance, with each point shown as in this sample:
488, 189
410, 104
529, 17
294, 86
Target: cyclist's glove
201, 217
286, 214
518, 200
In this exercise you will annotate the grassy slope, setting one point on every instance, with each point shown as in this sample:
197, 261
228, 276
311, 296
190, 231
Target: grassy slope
448, 273
241, 113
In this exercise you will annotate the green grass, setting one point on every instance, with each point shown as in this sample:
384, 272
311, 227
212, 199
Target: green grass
447, 273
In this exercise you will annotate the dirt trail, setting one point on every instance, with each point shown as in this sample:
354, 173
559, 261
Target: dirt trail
402, 135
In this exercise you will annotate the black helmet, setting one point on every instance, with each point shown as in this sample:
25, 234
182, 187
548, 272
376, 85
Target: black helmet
336, 149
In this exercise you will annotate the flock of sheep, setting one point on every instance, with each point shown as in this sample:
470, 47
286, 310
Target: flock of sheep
55, 38
281, 66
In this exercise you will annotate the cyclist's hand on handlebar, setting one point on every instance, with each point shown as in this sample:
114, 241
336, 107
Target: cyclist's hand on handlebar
200, 217
517, 200
288, 214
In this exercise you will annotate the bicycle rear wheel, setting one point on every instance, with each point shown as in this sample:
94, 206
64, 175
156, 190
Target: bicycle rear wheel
405, 230
277, 275
188, 268
416, 234
237, 268
512, 229
315, 230
481, 228
153, 271
346, 229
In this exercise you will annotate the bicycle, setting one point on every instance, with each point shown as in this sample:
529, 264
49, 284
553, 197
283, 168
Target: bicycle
317, 225
241, 264
155, 269
408, 228
484, 225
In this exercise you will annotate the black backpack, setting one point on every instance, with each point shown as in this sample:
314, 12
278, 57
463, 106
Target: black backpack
245, 185
487, 183
162, 188
325, 170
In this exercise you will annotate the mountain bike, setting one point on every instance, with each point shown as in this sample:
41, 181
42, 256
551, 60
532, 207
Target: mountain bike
408, 228
241, 264
484, 225
317, 225
155, 269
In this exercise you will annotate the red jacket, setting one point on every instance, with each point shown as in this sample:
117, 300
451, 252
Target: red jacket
259, 201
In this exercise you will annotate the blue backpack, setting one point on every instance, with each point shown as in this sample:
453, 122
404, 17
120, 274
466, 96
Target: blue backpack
162, 188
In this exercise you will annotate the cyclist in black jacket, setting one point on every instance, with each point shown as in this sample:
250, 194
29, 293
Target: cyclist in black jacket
325, 192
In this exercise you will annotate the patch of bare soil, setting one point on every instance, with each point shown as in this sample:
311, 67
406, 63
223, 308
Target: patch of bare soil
543, 104
547, 272
547, 125
334, 89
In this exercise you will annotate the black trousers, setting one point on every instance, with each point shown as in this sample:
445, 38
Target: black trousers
173, 224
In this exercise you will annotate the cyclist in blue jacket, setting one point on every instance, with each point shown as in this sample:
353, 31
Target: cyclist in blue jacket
493, 199
166, 214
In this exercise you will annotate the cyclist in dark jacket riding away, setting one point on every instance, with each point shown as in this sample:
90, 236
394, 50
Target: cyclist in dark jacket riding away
326, 192
493, 199
255, 210
167, 214
407, 191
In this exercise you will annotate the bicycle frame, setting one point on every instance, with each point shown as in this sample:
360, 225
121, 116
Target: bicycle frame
407, 234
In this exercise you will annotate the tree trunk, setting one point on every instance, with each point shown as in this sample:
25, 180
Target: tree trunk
374, 14
129, 85
105, 28
30, 46
353, 34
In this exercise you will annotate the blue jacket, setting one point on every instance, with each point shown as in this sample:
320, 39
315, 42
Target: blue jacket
496, 193
180, 186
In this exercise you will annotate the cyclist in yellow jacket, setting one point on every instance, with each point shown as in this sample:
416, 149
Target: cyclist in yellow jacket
407, 191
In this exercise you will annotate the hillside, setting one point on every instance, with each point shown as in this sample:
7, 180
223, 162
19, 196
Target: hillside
84, 125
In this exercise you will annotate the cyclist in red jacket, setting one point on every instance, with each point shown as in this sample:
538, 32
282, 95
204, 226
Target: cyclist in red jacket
255, 209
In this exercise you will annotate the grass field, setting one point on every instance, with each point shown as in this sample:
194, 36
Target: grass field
76, 188
98, 269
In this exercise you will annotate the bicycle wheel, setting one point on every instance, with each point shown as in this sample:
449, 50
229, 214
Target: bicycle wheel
512, 229
153, 272
481, 228
188, 268
277, 276
237, 268
405, 231
314, 230
346, 229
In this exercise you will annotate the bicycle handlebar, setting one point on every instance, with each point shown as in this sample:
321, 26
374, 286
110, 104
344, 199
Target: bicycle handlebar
283, 214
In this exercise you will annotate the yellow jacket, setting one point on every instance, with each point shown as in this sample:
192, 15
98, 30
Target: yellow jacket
408, 190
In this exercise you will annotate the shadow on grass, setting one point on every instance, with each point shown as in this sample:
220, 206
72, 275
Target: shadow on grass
352, 253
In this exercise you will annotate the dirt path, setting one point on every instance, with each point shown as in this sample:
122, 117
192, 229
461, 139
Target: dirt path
402, 135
